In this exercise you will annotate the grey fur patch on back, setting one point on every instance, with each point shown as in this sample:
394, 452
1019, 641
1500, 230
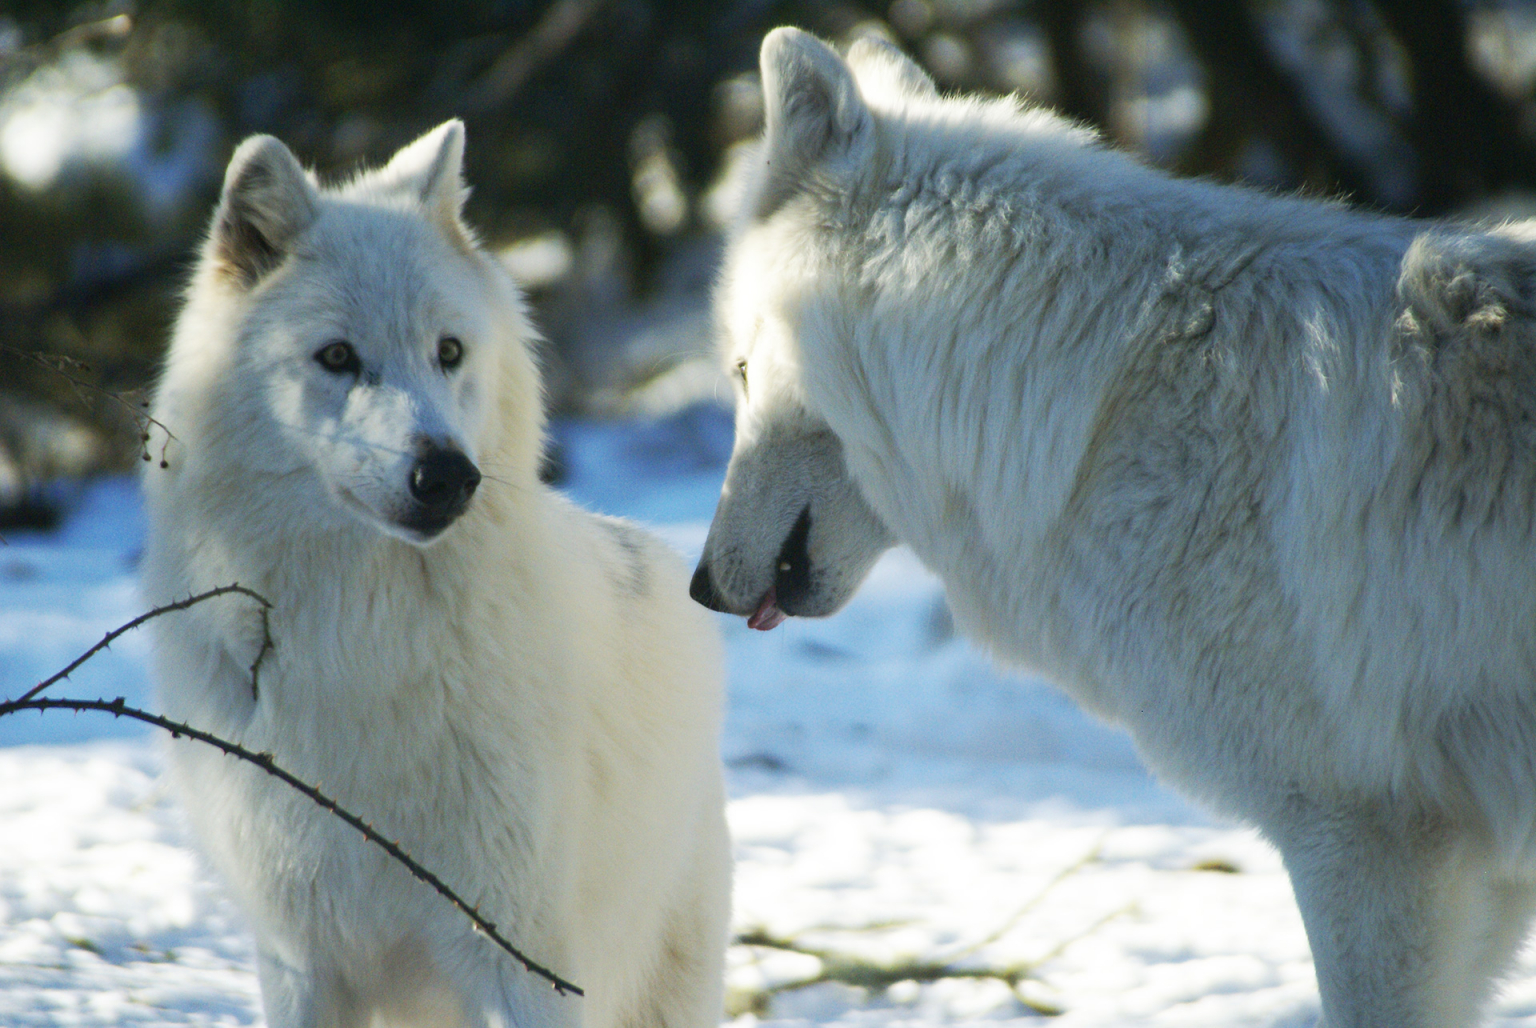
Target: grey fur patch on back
632, 542
1453, 285
1464, 353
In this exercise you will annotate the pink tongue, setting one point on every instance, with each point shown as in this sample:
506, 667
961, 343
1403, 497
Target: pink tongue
767, 616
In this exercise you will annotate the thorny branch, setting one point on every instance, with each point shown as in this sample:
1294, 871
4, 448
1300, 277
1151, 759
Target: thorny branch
169, 608
119, 708
261, 654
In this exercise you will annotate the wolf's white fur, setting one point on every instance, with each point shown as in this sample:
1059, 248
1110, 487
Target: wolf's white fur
529, 704
1253, 476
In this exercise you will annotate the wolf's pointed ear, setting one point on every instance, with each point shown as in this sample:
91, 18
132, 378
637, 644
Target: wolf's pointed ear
813, 111
884, 72
432, 168
267, 201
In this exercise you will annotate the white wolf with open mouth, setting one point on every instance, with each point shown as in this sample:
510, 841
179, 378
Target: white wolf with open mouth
517, 691
1253, 476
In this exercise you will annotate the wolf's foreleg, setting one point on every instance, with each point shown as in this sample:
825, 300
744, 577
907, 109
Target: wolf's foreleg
1408, 922
293, 997
498, 992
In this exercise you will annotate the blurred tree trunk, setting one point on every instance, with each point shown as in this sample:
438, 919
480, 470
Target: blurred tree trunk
1080, 89
1467, 135
1250, 94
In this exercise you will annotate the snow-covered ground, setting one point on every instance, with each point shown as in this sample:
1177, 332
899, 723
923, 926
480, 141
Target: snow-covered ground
894, 799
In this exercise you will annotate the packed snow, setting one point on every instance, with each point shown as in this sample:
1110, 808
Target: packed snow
921, 837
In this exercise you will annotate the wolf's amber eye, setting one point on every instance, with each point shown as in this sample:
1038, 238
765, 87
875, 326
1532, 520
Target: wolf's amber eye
339, 357
449, 352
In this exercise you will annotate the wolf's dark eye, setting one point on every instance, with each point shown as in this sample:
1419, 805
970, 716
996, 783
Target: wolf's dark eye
449, 352
337, 356
741, 373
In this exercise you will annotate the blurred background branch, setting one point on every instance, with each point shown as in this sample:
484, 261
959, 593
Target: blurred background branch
602, 134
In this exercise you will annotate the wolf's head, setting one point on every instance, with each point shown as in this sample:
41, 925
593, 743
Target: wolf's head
792, 533
352, 341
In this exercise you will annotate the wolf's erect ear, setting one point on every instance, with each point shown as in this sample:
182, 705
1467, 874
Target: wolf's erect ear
814, 114
267, 202
885, 73
432, 168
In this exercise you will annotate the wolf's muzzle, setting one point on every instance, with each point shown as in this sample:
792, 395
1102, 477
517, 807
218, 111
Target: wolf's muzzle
791, 580
441, 482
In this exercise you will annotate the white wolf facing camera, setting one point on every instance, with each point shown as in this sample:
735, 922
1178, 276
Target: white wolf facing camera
1254, 477
519, 692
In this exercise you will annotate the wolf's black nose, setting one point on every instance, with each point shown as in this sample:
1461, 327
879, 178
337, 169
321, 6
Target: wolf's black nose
702, 589
444, 480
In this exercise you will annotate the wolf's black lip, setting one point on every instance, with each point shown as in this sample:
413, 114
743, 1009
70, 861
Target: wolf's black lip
792, 575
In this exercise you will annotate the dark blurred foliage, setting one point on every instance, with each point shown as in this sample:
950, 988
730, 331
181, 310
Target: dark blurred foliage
606, 121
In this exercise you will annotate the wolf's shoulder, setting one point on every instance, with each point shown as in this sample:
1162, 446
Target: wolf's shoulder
633, 556
635, 562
